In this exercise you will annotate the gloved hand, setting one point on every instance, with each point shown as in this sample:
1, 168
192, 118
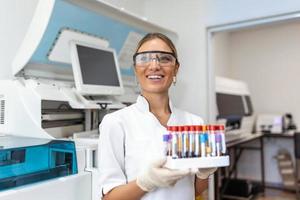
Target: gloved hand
203, 173
155, 175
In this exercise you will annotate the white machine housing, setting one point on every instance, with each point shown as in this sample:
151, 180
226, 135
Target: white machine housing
229, 86
270, 123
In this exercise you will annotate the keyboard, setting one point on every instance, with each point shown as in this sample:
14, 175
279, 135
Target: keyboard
233, 135
236, 134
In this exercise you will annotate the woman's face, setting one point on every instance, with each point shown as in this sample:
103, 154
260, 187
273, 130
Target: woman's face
155, 71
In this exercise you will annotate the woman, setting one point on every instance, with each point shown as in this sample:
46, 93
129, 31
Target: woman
131, 148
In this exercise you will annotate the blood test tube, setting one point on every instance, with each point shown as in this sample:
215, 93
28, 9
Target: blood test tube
185, 133
172, 131
166, 141
218, 144
180, 141
203, 142
197, 141
192, 130
222, 133
212, 139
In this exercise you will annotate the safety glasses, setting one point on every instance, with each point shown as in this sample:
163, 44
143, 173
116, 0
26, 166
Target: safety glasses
164, 59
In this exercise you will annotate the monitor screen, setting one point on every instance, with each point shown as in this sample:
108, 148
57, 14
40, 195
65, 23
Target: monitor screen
230, 105
97, 66
96, 70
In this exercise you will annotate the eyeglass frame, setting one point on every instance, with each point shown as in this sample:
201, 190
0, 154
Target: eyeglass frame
165, 52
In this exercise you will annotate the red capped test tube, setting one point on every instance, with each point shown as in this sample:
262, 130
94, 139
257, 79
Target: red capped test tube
180, 141
218, 142
192, 131
212, 139
208, 141
197, 141
185, 145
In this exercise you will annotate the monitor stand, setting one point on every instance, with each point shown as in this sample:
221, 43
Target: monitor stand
99, 99
105, 102
77, 100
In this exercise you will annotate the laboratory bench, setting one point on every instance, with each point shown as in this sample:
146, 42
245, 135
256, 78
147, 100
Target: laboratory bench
235, 149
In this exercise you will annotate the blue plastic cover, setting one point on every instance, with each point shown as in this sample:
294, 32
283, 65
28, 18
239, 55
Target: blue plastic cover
29, 160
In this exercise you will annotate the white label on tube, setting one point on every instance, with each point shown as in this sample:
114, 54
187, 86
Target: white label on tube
218, 149
174, 145
213, 144
191, 143
223, 142
197, 144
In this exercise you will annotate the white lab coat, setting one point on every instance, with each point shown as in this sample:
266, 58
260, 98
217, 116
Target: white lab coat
131, 137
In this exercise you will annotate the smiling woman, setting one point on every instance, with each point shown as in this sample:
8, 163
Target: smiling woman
155, 77
131, 150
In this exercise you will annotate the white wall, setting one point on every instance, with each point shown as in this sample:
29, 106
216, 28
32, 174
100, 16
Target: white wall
187, 19
15, 17
221, 54
268, 60
224, 11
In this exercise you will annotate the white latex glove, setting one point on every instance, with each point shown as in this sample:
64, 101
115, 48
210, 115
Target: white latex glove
203, 173
155, 175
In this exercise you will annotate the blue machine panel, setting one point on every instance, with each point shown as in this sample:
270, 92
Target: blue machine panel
67, 15
29, 160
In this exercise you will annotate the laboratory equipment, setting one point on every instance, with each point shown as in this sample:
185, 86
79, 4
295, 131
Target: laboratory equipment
290, 124
25, 160
234, 107
270, 123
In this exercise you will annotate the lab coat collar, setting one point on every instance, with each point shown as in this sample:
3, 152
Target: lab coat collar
143, 104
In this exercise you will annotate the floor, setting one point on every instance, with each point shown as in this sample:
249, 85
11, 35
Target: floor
273, 194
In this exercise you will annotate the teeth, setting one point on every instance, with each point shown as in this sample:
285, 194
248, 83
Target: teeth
154, 76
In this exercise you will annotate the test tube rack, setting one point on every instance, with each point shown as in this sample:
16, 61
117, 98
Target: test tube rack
202, 162
195, 146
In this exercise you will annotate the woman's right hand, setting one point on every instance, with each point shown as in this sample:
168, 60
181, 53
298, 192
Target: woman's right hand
156, 175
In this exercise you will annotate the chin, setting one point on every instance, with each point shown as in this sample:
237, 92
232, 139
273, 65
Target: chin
156, 90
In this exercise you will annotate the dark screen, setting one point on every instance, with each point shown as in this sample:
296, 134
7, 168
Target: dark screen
97, 66
230, 105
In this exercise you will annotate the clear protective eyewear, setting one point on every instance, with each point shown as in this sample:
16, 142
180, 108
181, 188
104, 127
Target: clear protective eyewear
164, 59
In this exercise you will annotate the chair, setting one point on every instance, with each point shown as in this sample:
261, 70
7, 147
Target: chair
297, 159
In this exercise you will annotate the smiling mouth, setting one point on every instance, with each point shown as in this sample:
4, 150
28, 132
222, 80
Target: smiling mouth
155, 77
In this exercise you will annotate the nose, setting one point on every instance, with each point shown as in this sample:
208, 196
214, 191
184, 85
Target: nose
154, 64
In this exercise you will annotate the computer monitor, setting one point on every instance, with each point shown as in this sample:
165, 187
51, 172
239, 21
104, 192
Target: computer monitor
96, 70
230, 105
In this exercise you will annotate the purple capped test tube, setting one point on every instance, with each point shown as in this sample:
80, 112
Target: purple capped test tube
167, 144
218, 144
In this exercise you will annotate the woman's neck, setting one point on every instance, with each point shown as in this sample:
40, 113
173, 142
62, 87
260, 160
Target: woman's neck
159, 106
